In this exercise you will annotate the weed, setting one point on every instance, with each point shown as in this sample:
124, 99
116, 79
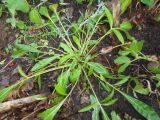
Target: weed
75, 59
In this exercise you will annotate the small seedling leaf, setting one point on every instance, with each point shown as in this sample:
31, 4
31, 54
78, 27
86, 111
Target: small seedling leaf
44, 11
35, 17
53, 7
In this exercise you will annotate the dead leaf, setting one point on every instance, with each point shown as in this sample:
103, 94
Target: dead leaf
106, 50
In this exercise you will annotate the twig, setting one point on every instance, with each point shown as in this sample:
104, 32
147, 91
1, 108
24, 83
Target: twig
6, 106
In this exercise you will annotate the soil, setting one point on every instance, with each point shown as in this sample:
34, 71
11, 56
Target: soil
150, 33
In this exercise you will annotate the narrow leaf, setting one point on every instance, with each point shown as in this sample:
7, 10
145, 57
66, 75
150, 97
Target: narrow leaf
66, 48
121, 60
22, 73
44, 62
77, 41
119, 35
109, 17
75, 74
89, 107
124, 5
142, 108
5, 92
99, 68
50, 113
27, 48
124, 80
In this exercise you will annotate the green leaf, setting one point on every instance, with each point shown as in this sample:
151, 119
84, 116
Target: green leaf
22, 73
61, 90
35, 17
21, 25
109, 97
44, 11
75, 74
124, 5
50, 113
154, 67
139, 88
5, 92
53, 7
63, 78
96, 108
126, 25
104, 114
142, 108
89, 107
28, 48
39, 97
123, 67
20, 5
124, 80
121, 60
64, 59
115, 116
44, 62
109, 17
110, 102
1, 9
124, 52
119, 35
136, 46
18, 53
148, 2
77, 41
66, 48
99, 68
158, 76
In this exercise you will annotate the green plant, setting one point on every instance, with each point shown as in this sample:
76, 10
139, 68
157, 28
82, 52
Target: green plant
75, 60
